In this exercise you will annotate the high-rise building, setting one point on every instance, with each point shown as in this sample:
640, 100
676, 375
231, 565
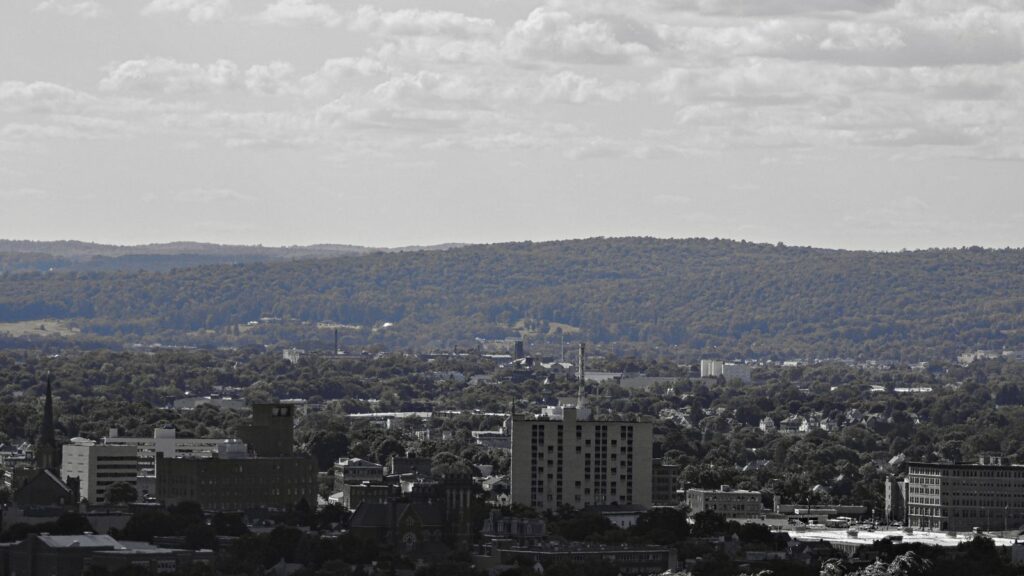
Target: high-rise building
558, 459
97, 466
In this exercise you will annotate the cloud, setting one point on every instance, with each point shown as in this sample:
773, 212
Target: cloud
81, 8
553, 35
269, 78
211, 195
337, 70
171, 76
569, 86
196, 10
776, 7
412, 22
24, 193
299, 11
41, 97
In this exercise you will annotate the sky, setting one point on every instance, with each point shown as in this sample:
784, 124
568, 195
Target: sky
859, 124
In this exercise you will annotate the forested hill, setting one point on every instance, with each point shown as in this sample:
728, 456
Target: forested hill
735, 298
25, 255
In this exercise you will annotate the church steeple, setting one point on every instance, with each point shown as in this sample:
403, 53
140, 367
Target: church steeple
47, 457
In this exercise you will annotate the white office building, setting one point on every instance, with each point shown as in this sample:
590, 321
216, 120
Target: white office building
97, 466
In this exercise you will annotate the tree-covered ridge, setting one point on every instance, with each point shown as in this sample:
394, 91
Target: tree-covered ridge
699, 295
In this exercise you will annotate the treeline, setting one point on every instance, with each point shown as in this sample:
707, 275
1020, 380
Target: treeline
690, 296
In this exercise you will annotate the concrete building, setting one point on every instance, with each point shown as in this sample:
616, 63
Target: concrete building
960, 497
164, 441
348, 471
727, 370
896, 498
97, 466
732, 504
561, 460
665, 483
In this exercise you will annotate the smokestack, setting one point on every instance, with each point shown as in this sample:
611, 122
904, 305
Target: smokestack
336, 342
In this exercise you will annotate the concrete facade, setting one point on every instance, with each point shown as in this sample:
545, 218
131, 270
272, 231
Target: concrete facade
960, 497
97, 466
580, 463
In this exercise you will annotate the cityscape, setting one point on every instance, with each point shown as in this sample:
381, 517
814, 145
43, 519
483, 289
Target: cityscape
512, 288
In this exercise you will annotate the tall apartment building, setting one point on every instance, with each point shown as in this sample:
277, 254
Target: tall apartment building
97, 466
960, 497
558, 459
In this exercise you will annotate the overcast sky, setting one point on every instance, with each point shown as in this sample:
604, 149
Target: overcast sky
875, 124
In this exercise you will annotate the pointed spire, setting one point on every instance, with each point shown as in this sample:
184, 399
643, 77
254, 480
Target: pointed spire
46, 447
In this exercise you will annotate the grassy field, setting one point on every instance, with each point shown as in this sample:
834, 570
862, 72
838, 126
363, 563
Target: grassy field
39, 328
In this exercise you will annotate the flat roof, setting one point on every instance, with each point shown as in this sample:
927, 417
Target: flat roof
866, 538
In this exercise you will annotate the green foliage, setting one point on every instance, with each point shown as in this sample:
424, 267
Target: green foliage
736, 297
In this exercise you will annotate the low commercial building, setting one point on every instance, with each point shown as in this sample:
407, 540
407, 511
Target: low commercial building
628, 559
83, 553
356, 471
730, 503
97, 467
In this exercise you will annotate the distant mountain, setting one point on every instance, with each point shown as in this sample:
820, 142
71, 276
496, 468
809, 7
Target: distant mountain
26, 255
690, 296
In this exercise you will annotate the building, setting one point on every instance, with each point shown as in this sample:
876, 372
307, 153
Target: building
352, 495
348, 471
523, 530
959, 497
85, 553
97, 466
164, 441
727, 370
263, 472
246, 483
560, 460
222, 402
665, 483
498, 557
732, 504
896, 499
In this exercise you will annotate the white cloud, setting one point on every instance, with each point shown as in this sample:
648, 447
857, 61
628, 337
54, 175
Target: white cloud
553, 35
81, 8
569, 86
195, 10
337, 70
24, 193
211, 195
269, 78
171, 76
41, 97
299, 11
412, 22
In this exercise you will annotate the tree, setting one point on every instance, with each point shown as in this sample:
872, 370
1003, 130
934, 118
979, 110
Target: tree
121, 493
